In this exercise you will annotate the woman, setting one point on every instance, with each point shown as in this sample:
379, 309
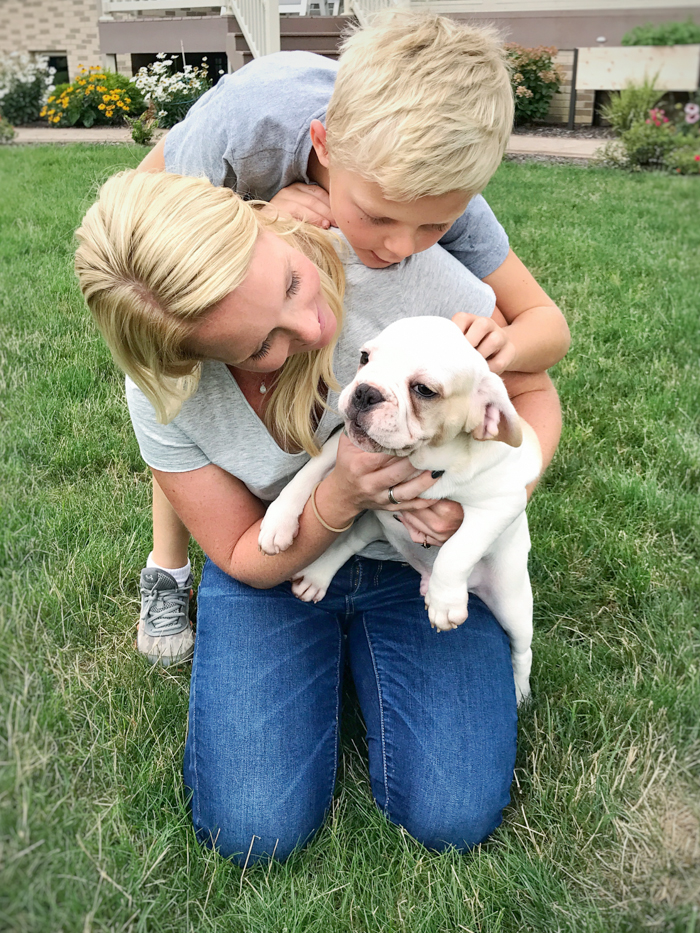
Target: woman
227, 322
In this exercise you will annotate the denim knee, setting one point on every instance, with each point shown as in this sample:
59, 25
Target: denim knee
255, 839
460, 821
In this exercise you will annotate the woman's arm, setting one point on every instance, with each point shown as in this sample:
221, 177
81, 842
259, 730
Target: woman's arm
224, 517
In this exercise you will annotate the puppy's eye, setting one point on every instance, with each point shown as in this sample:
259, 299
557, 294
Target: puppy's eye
423, 391
364, 358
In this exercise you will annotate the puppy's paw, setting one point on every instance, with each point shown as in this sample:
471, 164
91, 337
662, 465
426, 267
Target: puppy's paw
424, 583
310, 587
278, 530
447, 610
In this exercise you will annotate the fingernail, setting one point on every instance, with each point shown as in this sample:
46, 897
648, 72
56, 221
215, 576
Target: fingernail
436, 474
397, 518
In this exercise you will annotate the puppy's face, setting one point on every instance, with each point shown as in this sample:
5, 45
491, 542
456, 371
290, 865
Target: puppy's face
421, 383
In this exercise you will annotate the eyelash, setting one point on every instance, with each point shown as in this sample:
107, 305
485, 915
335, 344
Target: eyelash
262, 352
379, 222
294, 287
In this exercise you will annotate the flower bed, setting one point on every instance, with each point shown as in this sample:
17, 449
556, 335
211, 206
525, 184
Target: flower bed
25, 84
171, 93
535, 79
95, 98
653, 137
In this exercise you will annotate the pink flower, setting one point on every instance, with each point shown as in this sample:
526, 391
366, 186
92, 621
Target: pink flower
697, 158
692, 113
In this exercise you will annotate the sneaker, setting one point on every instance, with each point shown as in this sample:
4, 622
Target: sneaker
165, 634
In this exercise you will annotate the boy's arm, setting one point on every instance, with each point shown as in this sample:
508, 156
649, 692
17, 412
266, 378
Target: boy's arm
534, 324
155, 160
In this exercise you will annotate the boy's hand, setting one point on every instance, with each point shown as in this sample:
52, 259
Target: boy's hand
488, 338
305, 202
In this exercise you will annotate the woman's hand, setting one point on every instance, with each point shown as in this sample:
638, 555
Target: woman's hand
488, 338
362, 480
305, 202
435, 524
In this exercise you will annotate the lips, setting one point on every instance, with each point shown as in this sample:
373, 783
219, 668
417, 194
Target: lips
360, 438
385, 262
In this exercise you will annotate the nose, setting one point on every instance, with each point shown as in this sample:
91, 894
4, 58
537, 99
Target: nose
400, 244
304, 324
366, 396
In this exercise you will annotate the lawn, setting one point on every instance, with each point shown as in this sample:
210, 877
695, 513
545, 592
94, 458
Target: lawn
603, 833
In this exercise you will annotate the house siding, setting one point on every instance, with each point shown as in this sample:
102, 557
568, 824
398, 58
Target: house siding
60, 27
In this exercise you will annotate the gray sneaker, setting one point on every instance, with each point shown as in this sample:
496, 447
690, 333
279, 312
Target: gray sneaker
165, 634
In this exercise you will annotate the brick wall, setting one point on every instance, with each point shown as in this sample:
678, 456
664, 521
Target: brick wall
59, 27
559, 108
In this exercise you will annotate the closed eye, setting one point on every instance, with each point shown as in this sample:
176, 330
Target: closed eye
293, 285
262, 352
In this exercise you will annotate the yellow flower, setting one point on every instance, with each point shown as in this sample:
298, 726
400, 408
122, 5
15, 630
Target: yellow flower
43, 112
127, 100
102, 89
82, 82
101, 107
106, 98
110, 113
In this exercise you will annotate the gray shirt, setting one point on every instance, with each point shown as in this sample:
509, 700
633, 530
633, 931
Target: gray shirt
251, 133
217, 425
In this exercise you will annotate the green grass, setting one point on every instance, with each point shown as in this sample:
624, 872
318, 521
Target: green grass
603, 833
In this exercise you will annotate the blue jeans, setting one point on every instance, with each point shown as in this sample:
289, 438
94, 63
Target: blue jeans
262, 749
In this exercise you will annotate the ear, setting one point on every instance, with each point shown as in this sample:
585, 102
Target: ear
496, 418
317, 131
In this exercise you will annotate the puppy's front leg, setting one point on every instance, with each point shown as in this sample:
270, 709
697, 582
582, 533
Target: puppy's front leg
281, 522
447, 598
311, 584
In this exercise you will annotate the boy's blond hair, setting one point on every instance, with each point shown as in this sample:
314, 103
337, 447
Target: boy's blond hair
157, 252
422, 105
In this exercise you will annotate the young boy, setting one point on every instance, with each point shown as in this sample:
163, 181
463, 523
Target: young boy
392, 145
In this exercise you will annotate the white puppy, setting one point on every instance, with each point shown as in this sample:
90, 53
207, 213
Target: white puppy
423, 392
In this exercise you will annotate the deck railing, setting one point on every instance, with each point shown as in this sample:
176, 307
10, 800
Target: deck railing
260, 24
146, 6
259, 20
364, 9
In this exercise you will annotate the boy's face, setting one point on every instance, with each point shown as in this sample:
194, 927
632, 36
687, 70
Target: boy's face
384, 232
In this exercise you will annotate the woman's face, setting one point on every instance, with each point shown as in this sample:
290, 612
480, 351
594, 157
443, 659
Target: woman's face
278, 310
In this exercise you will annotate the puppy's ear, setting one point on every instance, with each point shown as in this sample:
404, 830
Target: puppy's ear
493, 417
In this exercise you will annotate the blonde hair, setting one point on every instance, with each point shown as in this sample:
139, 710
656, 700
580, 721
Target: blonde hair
157, 252
422, 105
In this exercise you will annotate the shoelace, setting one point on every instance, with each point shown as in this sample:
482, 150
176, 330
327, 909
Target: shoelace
167, 617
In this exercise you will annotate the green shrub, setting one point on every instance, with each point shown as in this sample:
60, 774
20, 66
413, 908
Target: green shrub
631, 105
647, 144
96, 97
7, 132
143, 127
535, 79
685, 160
24, 86
671, 33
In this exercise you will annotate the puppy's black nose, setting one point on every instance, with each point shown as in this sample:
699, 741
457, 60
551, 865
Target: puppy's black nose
366, 396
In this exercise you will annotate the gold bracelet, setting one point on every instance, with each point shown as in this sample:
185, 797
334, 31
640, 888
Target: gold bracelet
328, 527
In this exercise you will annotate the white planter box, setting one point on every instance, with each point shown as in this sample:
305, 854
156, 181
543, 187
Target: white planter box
674, 67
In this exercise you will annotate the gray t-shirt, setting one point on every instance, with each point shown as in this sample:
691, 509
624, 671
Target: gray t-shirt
217, 425
251, 133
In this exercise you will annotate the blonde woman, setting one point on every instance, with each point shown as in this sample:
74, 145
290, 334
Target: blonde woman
227, 323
